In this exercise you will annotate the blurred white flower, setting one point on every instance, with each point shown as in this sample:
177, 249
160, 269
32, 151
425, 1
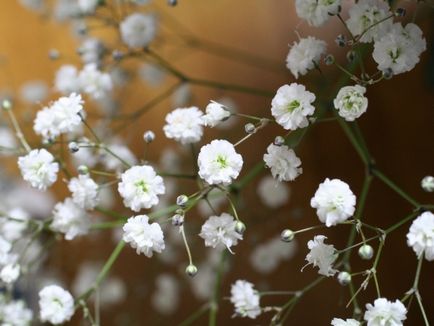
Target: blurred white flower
70, 219
16, 313
84, 191
87, 6
321, 255
317, 12
165, 299
273, 193
38, 168
351, 102
421, 235
112, 162
14, 224
215, 113
94, 82
427, 183
245, 299
284, 164
56, 305
66, 80
184, 125
91, 50
138, 30
10, 273
385, 313
341, 322
305, 55
219, 231
34, 91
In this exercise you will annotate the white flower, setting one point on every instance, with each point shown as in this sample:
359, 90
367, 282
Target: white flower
385, 313
292, 105
5, 251
84, 191
165, 299
138, 30
70, 219
144, 237
184, 125
427, 183
16, 313
365, 17
140, 187
215, 113
34, 91
56, 305
87, 6
91, 50
305, 55
10, 273
351, 102
284, 164
273, 193
7, 141
321, 255
421, 235
66, 81
94, 82
341, 322
220, 231
62, 116
316, 12
14, 224
399, 49
245, 299
334, 202
38, 168
219, 163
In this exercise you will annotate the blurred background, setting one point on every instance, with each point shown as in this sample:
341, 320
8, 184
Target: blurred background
235, 42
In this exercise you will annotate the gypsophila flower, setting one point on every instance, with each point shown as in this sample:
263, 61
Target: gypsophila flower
138, 30
365, 17
91, 50
305, 55
94, 82
284, 164
385, 313
421, 235
143, 236
292, 105
38, 168
66, 80
16, 313
140, 187
215, 113
56, 305
184, 125
321, 255
334, 202
351, 102
273, 193
245, 299
341, 322
5, 249
14, 224
70, 219
219, 163
87, 6
317, 12
10, 273
219, 231
399, 50
84, 191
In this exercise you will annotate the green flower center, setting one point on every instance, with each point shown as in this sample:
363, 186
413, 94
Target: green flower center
293, 105
142, 185
222, 161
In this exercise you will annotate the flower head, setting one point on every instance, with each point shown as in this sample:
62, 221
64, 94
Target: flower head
421, 235
385, 313
16, 313
322, 255
94, 82
220, 231
351, 102
341, 322
66, 80
184, 125
317, 12
284, 164
56, 305
143, 236
245, 299
138, 30
219, 163
305, 55
38, 168
84, 191
140, 187
70, 219
215, 113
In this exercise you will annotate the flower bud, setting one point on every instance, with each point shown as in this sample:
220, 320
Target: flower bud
366, 252
250, 128
388, 73
340, 40
329, 59
279, 141
177, 220
240, 227
149, 136
172, 3
73, 147
191, 270
117, 55
427, 183
344, 278
287, 235
6, 104
351, 56
83, 169
181, 200
53, 54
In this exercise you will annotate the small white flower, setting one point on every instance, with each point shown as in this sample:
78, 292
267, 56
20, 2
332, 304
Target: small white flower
351, 102
10, 273
143, 236
14, 224
88, 6
184, 125
385, 313
427, 183
38, 168
138, 30
220, 231
284, 164
84, 191
56, 305
70, 219
66, 81
16, 313
91, 50
140, 187
292, 105
5, 251
245, 299
341, 322
317, 12
334, 202
273, 193
399, 50
421, 235
365, 17
94, 82
215, 113
219, 163
322, 255
305, 55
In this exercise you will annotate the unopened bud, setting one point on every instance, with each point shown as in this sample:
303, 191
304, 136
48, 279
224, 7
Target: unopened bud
427, 183
250, 128
191, 270
73, 147
240, 227
149, 136
177, 220
83, 169
366, 252
279, 141
181, 200
344, 278
287, 235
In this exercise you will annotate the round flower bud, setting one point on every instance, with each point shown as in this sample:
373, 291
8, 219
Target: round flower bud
340, 40
287, 235
400, 12
240, 227
329, 59
149, 136
6, 104
53, 54
279, 141
388, 73
177, 220
172, 3
366, 252
181, 200
83, 169
351, 55
117, 55
250, 128
427, 183
73, 147
344, 278
191, 270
